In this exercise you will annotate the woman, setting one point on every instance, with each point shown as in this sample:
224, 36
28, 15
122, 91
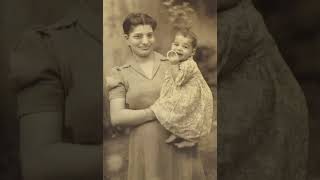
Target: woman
150, 158
56, 70
261, 109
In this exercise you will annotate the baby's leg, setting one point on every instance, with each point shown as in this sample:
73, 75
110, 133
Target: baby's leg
171, 138
185, 143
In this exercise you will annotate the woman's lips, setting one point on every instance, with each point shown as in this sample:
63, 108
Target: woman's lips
145, 48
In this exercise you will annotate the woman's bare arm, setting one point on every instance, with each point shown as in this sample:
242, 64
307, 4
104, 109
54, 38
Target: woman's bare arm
120, 116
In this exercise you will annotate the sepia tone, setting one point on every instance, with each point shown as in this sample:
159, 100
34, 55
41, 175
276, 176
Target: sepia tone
293, 24
116, 52
58, 90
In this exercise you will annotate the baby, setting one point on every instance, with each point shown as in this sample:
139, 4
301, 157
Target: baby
185, 105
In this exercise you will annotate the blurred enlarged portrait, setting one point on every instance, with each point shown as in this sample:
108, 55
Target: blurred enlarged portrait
159, 89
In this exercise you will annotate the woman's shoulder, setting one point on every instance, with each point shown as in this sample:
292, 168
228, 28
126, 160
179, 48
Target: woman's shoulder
121, 70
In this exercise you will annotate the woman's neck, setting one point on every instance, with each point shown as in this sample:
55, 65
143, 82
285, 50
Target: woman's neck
140, 59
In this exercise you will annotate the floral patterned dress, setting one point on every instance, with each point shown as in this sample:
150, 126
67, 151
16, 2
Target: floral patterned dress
185, 106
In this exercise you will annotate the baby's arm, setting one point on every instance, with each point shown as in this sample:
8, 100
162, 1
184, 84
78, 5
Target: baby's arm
174, 70
185, 72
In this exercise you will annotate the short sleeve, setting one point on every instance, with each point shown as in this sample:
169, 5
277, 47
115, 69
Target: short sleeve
35, 76
226, 4
187, 70
119, 91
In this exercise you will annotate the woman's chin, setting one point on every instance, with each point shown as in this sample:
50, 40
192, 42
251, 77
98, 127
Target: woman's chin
144, 53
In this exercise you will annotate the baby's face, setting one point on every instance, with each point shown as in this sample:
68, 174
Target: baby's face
183, 47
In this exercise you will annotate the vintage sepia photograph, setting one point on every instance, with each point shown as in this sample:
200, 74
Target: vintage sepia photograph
160, 90
160, 65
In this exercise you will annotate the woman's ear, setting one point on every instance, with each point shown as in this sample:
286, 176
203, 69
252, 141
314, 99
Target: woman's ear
126, 36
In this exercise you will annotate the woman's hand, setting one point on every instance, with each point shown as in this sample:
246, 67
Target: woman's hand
150, 114
121, 116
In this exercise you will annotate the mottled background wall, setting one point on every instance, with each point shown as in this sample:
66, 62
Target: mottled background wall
115, 49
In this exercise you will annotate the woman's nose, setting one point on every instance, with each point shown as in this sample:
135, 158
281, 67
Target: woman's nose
145, 40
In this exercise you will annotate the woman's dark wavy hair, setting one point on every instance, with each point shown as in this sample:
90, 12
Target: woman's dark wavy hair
135, 19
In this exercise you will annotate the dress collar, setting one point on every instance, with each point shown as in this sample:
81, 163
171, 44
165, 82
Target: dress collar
157, 57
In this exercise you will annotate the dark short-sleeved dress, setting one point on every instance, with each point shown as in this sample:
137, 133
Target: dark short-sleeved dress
262, 113
58, 68
150, 158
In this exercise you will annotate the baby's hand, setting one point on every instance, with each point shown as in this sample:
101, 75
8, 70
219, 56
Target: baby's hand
111, 82
173, 57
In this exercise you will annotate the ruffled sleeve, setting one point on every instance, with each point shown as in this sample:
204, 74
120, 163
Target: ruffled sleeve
119, 90
186, 72
35, 75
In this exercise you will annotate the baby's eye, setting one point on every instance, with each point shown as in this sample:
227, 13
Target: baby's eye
186, 47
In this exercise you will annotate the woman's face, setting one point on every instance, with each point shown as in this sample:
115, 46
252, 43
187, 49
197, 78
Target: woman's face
141, 40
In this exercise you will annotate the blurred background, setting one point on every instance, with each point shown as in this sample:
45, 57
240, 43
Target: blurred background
294, 24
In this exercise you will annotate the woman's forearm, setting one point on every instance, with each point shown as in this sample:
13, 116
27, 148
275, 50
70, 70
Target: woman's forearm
128, 117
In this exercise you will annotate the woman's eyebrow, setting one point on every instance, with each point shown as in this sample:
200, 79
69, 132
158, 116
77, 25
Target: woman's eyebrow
140, 33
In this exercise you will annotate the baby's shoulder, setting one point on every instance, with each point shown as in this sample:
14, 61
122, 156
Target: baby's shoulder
189, 64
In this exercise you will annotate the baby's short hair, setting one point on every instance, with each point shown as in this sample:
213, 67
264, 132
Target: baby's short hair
188, 34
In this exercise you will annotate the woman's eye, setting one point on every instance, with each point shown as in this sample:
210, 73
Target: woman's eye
137, 36
150, 35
